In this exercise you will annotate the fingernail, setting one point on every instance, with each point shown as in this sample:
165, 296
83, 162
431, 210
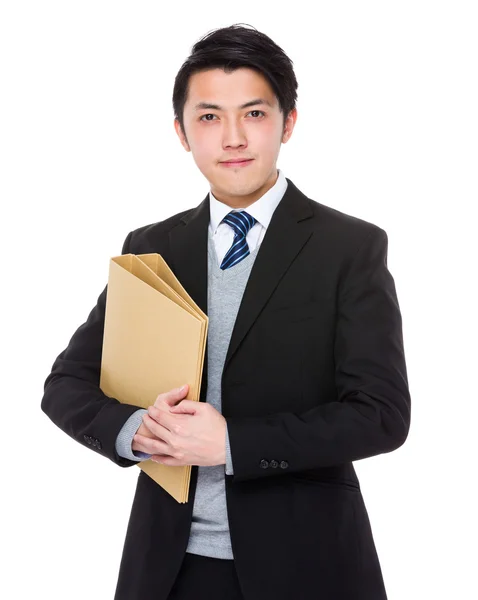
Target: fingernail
181, 389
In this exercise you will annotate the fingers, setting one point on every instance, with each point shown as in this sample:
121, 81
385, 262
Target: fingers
156, 425
149, 445
143, 430
188, 407
137, 445
173, 396
167, 460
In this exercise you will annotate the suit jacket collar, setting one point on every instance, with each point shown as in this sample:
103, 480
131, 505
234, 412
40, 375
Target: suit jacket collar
289, 229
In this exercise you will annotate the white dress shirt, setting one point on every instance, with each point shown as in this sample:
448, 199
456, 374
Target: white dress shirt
262, 210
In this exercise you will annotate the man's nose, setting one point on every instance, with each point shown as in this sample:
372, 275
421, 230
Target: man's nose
233, 135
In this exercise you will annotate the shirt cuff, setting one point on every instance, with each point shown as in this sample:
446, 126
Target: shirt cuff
229, 469
124, 441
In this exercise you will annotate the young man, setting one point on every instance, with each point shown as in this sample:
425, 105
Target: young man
304, 370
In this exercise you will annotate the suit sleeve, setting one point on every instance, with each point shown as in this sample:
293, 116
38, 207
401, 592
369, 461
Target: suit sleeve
72, 397
370, 414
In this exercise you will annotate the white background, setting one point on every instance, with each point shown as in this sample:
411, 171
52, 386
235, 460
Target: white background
387, 131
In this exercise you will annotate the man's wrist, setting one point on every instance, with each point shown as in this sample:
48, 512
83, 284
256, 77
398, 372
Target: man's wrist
124, 441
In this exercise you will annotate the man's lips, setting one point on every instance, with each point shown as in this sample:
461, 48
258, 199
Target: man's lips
236, 159
237, 162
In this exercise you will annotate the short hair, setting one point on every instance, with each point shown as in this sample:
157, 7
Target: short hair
231, 48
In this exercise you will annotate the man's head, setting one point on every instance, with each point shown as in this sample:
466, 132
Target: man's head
216, 119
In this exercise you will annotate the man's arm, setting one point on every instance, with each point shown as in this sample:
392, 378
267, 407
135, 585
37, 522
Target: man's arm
72, 397
371, 413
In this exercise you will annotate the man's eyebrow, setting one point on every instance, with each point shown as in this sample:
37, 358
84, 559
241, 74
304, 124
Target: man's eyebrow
255, 102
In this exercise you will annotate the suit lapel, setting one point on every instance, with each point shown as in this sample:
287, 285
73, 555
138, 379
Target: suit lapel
289, 229
188, 244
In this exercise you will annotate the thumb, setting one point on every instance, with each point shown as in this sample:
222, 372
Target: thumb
188, 407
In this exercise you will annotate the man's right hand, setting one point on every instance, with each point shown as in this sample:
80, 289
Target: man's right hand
164, 401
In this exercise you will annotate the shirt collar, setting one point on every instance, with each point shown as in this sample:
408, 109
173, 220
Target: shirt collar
262, 209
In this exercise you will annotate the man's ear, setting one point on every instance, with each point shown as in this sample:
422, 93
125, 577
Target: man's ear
289, 125
182, 137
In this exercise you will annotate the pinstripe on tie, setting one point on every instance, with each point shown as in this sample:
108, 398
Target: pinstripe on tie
241, 222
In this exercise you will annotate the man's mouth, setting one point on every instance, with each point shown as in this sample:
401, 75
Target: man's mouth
239, 162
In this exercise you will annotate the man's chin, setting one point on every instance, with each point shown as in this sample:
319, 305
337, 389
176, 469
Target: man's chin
233, 190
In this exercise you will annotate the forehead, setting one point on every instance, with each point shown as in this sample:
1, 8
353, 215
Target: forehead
228, 90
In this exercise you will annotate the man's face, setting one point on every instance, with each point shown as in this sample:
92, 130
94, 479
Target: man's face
215, 135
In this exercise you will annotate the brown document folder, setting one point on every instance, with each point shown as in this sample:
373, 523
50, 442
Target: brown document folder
154, 340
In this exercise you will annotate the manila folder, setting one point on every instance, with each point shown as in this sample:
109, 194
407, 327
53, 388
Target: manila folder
154, 340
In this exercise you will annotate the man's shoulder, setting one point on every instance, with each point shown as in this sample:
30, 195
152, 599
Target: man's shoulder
164, 225
153, 233
342, 226
333, 217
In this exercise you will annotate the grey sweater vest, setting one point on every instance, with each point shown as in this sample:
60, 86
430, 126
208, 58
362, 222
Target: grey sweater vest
209, 534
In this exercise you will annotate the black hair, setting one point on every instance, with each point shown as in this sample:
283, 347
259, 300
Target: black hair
231, 48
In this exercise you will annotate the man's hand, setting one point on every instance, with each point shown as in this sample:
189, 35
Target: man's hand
165, 401
189, 433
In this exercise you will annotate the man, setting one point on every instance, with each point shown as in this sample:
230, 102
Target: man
304, 368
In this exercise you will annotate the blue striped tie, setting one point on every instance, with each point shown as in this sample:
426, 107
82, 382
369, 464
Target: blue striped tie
241, 222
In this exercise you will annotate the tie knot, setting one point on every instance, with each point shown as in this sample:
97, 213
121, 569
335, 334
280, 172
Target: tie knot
241, 222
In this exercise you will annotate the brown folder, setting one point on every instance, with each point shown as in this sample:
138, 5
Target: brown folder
154, 340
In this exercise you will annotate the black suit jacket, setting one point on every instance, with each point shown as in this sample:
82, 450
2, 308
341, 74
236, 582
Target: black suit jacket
314, 378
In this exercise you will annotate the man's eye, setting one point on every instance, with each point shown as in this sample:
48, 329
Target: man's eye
208, 115
257, 111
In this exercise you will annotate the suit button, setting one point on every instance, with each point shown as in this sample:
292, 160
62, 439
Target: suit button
264, 464
98, 444
274, 464
85, 437
284, 464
